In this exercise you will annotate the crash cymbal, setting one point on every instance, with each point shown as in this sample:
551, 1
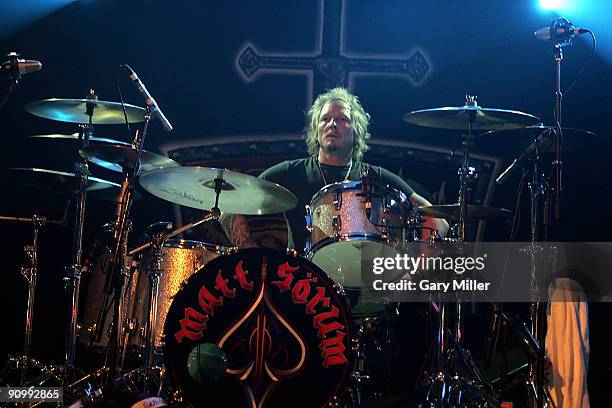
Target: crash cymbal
474, 212
73, 111
459, 117
116, 157
73, 138
514, 140
241, 194
62, 183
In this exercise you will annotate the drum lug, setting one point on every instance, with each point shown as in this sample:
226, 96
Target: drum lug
386, 204
337, 199
293, 252
308, 218
337, 224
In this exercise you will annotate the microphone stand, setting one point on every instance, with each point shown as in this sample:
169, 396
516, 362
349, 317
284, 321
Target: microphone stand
558, 163
14, 76
121, 231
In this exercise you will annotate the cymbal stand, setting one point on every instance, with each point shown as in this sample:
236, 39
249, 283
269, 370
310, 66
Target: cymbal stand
119, 274
538, 189
154, 275
443, 392
30, 274
74, 271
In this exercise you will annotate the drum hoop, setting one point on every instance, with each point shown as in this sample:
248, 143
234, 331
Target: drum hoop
339, 296
353, 185
192, 244
356, 236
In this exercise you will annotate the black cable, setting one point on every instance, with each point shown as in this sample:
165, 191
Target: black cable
586, 63
127, 123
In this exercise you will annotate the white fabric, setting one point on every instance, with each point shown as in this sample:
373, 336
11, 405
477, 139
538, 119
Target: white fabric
567, 344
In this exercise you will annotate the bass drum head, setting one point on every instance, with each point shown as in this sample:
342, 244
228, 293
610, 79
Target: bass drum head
258, 328
342, 261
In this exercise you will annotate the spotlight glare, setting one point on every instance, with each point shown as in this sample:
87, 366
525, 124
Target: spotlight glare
551, 4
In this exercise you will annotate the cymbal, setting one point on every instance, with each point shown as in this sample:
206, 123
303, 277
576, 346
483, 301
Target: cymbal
459, 117
241, 194
74, 138
513, 140
62, 183
117, 157
474, 212
73, 111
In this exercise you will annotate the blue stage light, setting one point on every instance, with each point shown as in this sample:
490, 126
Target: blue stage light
551, 4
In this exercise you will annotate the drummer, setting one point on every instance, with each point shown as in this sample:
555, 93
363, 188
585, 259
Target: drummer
336, 136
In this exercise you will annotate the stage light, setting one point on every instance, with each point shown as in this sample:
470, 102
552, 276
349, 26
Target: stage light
551, 4
16, 15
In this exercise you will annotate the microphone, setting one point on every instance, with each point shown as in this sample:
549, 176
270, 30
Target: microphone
561, 30
151, 103
22, 66
525, 155
17, 66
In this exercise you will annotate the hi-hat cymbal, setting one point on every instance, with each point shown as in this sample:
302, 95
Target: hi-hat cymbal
195, 187
459, 117
74, 138
513, 140
117, 157
62, 183
74, 111
474, 212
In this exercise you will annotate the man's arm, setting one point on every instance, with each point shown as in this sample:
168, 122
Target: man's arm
430, 224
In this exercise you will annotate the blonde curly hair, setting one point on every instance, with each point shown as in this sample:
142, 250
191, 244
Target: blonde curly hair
360, 120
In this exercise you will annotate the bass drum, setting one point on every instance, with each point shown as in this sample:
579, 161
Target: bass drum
258, 328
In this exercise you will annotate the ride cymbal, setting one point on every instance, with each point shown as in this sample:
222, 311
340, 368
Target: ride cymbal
459, 118
512, 141
74, 111
240, 193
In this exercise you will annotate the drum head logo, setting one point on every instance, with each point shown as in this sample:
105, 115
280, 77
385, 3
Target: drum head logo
256, 328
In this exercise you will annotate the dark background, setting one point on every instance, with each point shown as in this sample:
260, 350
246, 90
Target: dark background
186, 52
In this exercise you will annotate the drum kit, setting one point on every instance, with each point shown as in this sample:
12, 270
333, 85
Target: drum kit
204, 324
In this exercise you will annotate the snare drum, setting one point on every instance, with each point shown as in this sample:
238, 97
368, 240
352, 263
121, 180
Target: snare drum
341, 228
180, 259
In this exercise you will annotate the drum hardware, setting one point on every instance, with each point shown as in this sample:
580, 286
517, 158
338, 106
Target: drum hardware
23, 362
153, 274
118, 273
470, 117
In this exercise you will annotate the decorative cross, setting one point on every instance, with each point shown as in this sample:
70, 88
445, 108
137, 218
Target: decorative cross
328, 66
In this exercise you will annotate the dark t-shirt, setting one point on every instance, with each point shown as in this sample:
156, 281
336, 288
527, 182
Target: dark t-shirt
303, 178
